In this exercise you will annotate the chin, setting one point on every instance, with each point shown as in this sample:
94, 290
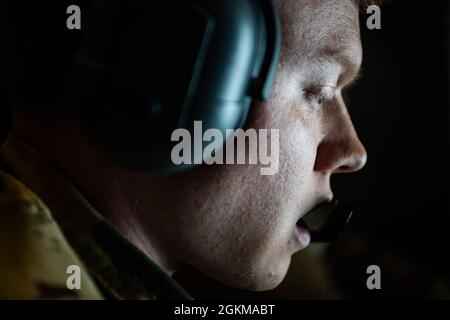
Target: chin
267, 284
261, 277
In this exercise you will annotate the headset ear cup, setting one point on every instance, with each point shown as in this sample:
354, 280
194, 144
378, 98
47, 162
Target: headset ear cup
169, 65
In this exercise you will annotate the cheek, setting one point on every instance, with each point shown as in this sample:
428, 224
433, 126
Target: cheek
237, 214
299, 137
297, 152
299, 127
273, 201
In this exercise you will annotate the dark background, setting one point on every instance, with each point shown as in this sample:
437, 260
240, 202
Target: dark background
400, 108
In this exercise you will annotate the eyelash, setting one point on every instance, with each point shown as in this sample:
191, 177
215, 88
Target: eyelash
317, 97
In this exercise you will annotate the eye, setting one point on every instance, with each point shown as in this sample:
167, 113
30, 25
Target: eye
318, 96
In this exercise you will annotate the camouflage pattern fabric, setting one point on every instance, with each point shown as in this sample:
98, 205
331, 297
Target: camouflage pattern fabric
39, 243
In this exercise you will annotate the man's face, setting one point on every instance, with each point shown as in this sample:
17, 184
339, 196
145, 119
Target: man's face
239, 226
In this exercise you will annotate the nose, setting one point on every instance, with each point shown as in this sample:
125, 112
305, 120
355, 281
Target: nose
340, 150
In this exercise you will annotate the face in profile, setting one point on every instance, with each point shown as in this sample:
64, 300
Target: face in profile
235, 224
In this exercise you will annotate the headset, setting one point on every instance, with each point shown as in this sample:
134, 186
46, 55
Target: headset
167, 65
146, 68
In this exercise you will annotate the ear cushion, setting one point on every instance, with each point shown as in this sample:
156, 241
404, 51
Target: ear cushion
166, 66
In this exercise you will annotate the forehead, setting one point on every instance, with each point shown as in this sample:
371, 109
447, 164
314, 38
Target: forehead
320, 29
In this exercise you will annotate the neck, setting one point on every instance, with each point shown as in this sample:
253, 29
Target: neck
105, 186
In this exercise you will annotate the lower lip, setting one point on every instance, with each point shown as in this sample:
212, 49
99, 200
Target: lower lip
303, 236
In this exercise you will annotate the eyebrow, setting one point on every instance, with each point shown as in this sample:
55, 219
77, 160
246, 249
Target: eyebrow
342, 56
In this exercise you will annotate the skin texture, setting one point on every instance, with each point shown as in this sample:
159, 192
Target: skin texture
228, 220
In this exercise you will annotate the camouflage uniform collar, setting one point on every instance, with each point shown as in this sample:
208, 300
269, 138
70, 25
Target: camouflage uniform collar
120, 269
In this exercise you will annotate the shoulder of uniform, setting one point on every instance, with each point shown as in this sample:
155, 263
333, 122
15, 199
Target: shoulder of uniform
34, 255
19, 206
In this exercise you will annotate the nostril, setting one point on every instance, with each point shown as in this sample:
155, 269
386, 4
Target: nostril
345, 168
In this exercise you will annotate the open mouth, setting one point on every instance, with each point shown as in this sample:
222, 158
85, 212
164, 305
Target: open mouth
326, 222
